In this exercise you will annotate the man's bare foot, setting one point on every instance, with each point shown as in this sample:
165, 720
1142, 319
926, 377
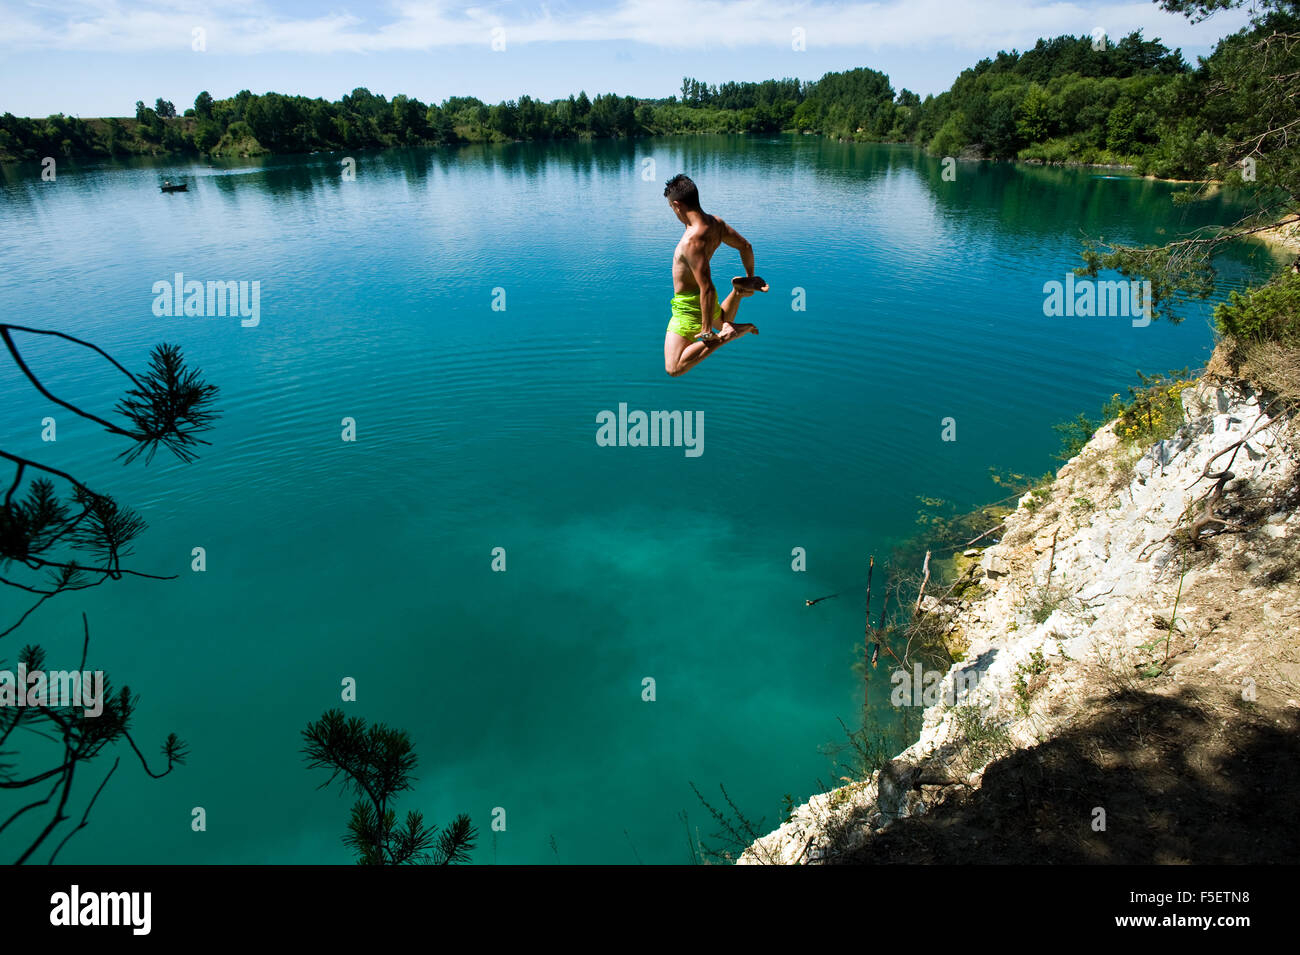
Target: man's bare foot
730, 330
748, 285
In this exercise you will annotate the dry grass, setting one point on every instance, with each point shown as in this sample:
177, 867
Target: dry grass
1225, 362
1276, 368
1272, 366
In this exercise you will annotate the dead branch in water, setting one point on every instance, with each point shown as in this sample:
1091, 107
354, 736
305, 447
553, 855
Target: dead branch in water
871, 566
984, 535
925, 570
866, 640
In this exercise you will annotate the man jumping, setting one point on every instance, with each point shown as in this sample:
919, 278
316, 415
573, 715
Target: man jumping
695, 309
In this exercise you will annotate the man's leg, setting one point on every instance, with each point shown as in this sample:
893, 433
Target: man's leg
683, 354
730, 307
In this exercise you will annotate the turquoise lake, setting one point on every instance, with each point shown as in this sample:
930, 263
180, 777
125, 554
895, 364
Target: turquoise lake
476, 429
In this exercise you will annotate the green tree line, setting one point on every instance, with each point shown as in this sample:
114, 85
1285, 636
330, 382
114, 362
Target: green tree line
1069, 99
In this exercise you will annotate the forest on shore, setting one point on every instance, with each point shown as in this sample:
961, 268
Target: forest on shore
1133, 102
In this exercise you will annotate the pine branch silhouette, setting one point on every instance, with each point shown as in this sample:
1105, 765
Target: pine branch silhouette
375, 763
53, 543
81, 538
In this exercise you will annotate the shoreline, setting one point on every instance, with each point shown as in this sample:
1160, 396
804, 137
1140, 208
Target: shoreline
1286, 237
1089, 617
263, 151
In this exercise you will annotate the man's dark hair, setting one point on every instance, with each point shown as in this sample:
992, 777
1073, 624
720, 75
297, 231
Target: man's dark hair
681, 189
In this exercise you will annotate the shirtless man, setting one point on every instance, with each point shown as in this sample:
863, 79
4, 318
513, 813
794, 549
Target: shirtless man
691, 336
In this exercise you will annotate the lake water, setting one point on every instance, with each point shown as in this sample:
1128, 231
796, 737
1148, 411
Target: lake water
475, 430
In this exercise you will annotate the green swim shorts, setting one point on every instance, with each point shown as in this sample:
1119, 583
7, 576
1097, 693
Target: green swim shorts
685, 319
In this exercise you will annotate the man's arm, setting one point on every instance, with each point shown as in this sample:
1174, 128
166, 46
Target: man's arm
698, 259
737, 241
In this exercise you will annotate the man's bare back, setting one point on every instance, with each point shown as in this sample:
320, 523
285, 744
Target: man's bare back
698, 240
691, 263
695, 306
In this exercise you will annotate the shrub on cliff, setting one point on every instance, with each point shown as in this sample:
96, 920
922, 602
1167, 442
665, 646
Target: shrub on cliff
1261, 336
1270, 313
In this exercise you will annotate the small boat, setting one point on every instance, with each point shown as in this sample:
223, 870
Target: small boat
169, 187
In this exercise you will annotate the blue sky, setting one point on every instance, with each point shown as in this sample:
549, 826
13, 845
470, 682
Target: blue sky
97, 57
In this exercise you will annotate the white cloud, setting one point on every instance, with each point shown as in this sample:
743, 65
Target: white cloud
251, 27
